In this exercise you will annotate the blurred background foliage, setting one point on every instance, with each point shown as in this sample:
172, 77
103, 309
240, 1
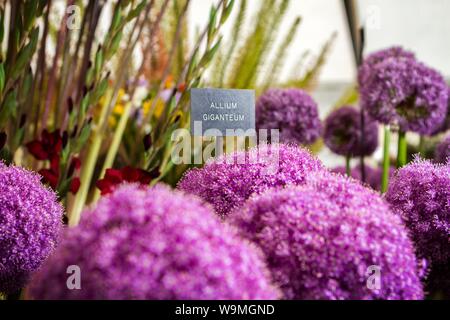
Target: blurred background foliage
106, 82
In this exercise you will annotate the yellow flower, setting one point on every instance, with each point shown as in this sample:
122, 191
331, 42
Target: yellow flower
159, 107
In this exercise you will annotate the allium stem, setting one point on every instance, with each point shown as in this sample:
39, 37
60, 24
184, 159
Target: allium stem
347, 165
402, 149
386, 161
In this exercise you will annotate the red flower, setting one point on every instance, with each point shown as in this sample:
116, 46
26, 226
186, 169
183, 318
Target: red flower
48, 147
114, 177
74, 185
50, 177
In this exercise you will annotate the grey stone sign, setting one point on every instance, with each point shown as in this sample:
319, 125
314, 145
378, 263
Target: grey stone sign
222, 112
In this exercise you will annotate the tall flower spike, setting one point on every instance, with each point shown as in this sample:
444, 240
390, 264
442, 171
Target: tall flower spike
154, 243
30, 223
324, 240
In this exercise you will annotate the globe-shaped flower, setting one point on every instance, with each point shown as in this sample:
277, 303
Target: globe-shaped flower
30, 224
154, 243
420, 194
228, 181
342, 133
406, 93
293, 112
365, 71
442, 152
328, 239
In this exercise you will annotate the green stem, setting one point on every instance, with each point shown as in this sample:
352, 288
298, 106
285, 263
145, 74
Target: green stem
347, 165
422, 146
114, 147
402, 149
386, 162
88, 168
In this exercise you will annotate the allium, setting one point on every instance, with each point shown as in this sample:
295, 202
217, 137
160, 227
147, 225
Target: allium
323, 240
442, 152
404, 92
293, 112
342, 133
372, 178
30, 223
154, 243
228, 181
420, 194
367, 67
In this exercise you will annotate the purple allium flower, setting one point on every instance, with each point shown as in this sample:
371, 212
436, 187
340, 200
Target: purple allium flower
30, 224
366, 69
323, 240
342, 133
442, 152
420, 194
154, 243
373, 175
228, 181
293, 112
404, 92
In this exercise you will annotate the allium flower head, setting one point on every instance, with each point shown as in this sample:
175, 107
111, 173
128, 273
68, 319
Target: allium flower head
442, 152
420, 194
367, 67
30, 223
404, 92
154, 243
324, 240
342, 133
293, 112
228, 181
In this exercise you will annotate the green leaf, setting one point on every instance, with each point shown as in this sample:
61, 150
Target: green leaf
30, 10
82, 138
2, 78
25, 55
99, 61
227, 11
209, 55
115, 42
212, 24
117, 17
99, 91
136, 11
8, 108
2, 26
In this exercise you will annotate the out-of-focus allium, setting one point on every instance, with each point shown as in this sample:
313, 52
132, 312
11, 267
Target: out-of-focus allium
442, 152
228, 181
373, 175
366, 69
30, 223
293, 112
404, 92
326, 239
154, 243
342, 133
420, 194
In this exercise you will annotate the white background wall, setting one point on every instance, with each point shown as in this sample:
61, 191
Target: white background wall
420, 25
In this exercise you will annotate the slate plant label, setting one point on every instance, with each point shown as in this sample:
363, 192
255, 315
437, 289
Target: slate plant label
222, 111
